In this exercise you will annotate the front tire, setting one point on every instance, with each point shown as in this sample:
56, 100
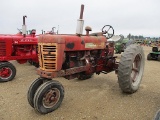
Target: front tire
48, 97
131, 67
33, 88
7, 71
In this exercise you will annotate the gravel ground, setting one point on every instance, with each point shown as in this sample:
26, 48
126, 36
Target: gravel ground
98, 98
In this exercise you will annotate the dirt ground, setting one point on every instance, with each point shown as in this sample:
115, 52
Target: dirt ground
98, 98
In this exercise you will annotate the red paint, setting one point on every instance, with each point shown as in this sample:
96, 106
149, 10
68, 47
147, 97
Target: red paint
17, 47
5, 72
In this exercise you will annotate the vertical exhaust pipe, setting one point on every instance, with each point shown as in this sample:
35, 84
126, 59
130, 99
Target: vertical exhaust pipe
24, 27
81, 12
80, 22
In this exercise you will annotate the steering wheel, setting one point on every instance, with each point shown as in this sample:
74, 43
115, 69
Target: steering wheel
108, 30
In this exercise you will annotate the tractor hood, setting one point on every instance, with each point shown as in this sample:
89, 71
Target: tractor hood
74, 42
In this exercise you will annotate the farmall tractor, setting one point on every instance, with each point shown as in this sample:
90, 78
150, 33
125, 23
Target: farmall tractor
21, 47
80, 56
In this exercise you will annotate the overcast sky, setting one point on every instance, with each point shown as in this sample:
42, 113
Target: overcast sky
138, 17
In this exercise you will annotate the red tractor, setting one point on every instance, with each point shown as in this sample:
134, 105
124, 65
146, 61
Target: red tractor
21, 47
80, 56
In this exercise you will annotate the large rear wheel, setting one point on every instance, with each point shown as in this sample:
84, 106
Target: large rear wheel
48, 97
7, 71
131, 67
157, 116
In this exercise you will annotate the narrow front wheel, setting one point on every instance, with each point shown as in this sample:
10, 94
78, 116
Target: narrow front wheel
33, 88
48, 97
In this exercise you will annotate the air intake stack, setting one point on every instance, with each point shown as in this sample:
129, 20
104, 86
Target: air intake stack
24, 27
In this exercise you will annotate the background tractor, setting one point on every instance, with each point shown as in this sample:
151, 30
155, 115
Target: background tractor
80, 56
21, 47
155, 54
122, 43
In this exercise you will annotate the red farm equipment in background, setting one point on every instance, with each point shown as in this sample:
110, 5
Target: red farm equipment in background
21, 47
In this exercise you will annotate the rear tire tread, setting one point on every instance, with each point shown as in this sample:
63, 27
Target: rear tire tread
125, 66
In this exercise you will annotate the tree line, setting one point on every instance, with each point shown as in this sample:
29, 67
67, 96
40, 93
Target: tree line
141, 37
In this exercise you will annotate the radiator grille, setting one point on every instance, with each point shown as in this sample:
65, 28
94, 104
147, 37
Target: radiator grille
47, 54
2, 48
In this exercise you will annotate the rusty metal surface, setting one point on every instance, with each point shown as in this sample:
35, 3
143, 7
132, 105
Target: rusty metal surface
51, 56
47, 38
61, 73
73, 42
81, 13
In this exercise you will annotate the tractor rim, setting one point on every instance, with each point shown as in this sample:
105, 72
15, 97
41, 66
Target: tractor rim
5, 72
51, 98
136, 70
